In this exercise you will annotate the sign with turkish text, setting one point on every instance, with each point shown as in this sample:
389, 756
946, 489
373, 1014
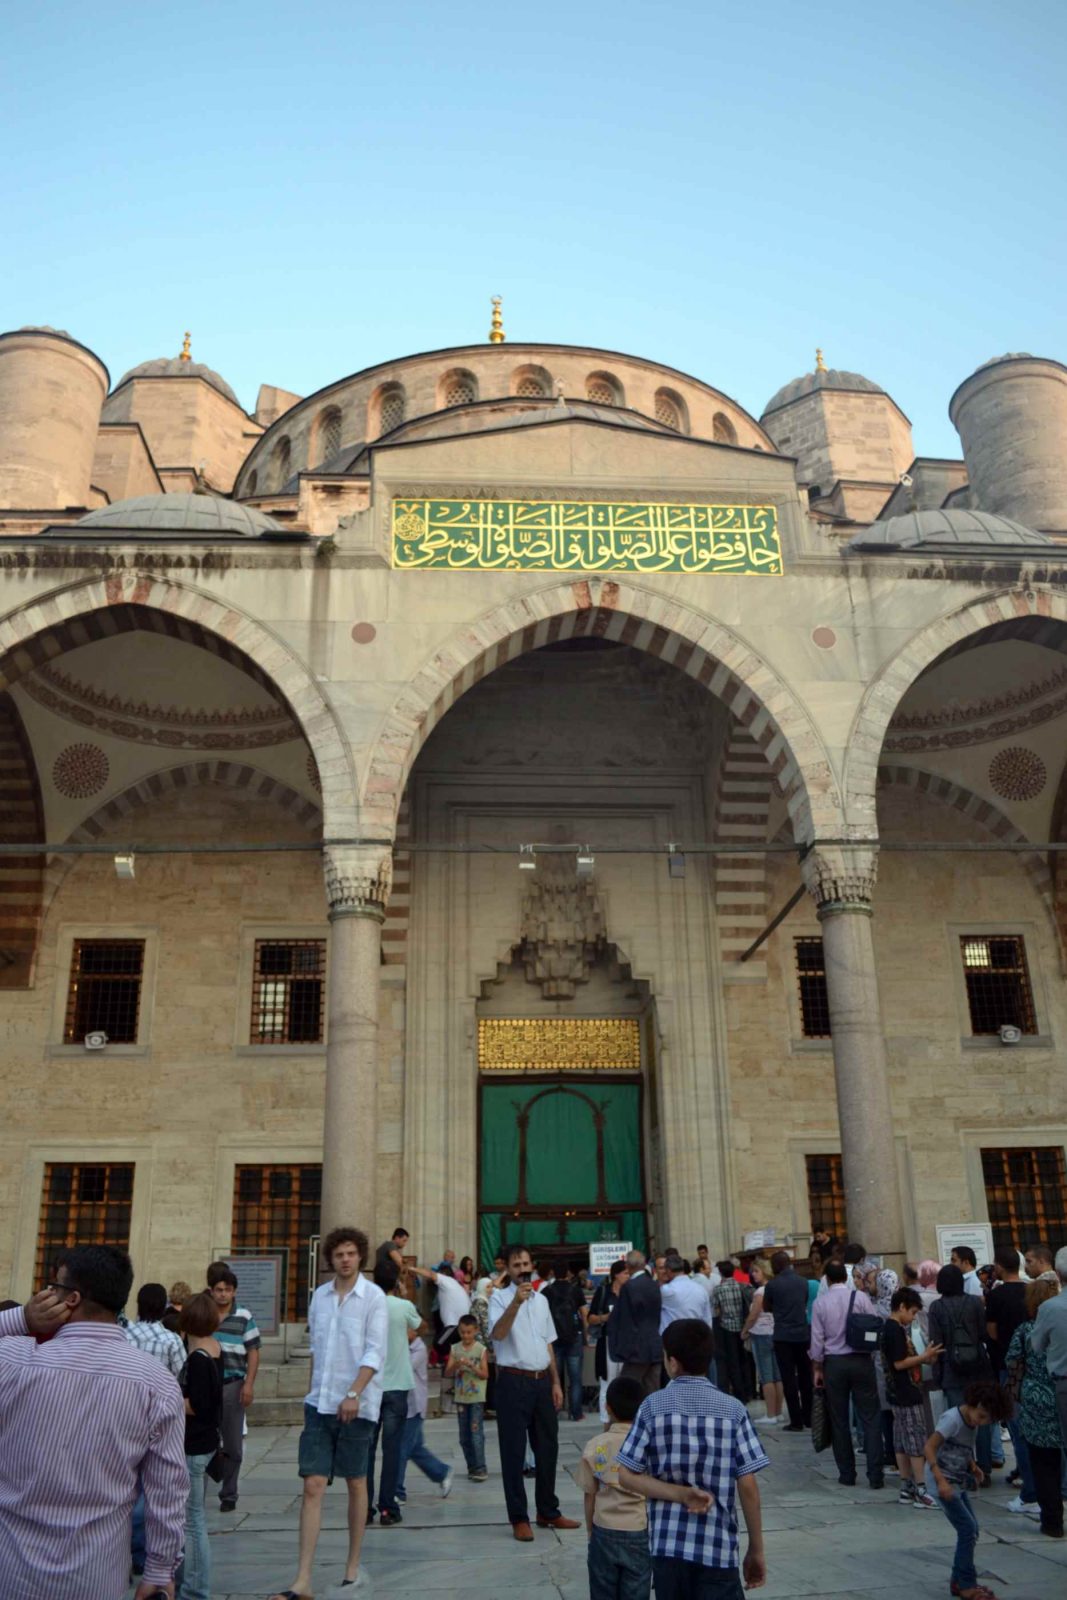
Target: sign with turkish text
978, 1235
604, 1254
260, 1287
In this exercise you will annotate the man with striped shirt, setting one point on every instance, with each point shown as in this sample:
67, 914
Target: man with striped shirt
239, 1337
690, 1451
82, 1416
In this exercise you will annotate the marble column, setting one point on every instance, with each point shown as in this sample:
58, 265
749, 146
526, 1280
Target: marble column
842, 884
357, 889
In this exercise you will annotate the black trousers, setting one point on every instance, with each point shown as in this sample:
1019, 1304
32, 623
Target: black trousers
794, 1364
852, 1378
524, 1406
1047, 1463
729, 1354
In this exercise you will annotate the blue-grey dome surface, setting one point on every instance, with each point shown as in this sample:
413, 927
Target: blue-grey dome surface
945, 529
175, 367
200, 515
828, 378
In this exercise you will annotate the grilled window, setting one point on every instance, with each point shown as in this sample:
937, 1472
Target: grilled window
998, 983
82, 1204
328, 435
278, 1208
1026, 1194
811, 983
288, 991
826, 1194
393, 410
105, 990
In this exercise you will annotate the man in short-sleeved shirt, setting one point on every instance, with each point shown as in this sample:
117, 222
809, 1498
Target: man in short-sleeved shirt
398, 1380
240, 1340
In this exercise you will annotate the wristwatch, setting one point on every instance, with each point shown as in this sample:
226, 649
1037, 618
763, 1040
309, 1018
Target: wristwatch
353, 1394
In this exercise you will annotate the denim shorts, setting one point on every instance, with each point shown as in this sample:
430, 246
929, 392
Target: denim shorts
765, 1358
330, 1448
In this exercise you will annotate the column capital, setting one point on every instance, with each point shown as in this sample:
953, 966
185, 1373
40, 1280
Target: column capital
358, 880
840, 879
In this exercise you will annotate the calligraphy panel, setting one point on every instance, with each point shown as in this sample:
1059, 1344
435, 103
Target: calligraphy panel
585, 536
556, 1044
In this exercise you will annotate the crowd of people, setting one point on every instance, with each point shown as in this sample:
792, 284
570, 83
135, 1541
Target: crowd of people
915, 1374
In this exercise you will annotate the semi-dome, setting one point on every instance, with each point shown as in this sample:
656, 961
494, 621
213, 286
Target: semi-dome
179, 367
821, 378
945, 530
196, 516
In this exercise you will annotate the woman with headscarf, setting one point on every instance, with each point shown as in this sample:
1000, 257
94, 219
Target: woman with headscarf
883, 1284
1037, 1415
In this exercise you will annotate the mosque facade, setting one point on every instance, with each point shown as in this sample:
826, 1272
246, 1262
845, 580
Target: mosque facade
517, 792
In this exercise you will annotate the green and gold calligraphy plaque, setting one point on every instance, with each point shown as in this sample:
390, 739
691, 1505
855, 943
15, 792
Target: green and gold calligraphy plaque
557, 1044
585, 536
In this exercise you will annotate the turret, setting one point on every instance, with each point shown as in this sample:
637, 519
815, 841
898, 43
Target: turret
51, 392
1011, 416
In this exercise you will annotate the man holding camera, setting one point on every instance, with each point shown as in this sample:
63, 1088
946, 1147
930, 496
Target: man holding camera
528, 1394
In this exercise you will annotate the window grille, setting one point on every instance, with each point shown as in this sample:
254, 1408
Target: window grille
998, 983
392, 410
459, 392
82, 1204
667, 412
826, 1194
278, 1207
531, 388
1026, 1195
600, 393
722, 429
811, 983
288, 991
329, 435
105, 990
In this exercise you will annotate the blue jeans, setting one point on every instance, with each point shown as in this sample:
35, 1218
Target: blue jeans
390, 1431
620, 1567
137, 1546
193, 1578
414, 1448
689, 1580
472, 1434
960, 1513
569, 1355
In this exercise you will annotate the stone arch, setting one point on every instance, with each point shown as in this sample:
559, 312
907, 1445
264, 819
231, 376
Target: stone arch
741, 815
21, 876
704, 648
1034, 614
102, 606
174, 780
978, 809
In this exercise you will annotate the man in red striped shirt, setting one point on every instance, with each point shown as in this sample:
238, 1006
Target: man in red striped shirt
82, 1413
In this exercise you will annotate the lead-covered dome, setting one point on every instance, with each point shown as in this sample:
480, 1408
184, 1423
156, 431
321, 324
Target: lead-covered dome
943, 530
179, 367
199, 516
821, 378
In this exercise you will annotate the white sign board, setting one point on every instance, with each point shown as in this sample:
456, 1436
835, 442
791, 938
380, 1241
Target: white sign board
604, 1254
979, 1235
760, 1239
259, 1287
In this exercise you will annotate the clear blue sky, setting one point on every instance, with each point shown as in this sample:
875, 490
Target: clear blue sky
314, 188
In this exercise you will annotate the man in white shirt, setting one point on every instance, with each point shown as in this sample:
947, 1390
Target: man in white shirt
528, 1395
964, 1258
349, 1327
681, 1296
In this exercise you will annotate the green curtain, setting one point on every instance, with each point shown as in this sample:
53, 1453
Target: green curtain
561, 1151
622, 1141
500, 1142
488, 1239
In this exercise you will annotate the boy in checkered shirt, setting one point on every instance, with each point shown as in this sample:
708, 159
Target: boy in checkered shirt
690, 1452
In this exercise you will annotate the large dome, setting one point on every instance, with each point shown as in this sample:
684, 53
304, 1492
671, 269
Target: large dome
945, 530
821, 378
177, 367
179, 515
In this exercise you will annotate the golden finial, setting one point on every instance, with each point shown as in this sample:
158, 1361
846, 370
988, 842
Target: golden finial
820, 364
185, 356
496, 332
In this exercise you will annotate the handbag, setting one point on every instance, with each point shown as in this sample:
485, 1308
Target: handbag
214, 1468
820, 1421
863, 1329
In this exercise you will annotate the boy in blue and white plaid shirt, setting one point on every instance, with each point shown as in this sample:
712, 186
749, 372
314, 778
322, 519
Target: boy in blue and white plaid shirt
690, 1450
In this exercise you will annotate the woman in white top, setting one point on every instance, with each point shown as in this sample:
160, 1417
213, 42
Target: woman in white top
759, 1330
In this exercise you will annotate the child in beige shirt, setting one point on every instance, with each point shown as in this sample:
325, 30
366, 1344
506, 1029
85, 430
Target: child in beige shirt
616, 1519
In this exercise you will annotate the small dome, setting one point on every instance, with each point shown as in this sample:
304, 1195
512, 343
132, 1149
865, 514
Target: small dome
821, 379
945, 530
1010, 355
175, 367
202, 516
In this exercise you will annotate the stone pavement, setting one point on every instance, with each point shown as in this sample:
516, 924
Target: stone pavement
821, 1539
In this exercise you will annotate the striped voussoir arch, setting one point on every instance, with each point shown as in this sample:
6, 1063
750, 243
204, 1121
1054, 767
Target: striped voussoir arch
742, 816
21, 876
707, 651
398, 911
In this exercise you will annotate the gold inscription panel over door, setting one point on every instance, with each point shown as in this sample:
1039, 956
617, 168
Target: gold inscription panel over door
555, 1044
585, 536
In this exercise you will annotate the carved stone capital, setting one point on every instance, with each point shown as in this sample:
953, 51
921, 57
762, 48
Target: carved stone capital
840, 879
358, 880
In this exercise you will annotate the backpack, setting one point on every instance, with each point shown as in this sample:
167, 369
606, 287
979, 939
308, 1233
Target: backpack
965, 1351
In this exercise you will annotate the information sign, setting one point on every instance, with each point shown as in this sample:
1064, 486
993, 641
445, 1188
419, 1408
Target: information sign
604, 1253
978, 1235
260, 1282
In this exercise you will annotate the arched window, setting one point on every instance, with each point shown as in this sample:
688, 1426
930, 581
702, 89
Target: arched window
392, 409
722, 429
670, 410
458, 388
603, 390
253, 479
531, 383
279, 464
327, 435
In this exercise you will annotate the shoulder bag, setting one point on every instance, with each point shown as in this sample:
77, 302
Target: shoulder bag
863, 1329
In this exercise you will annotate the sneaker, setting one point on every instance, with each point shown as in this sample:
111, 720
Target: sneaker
1033, 1512
769, 1422
1021, 1507
906, 1495
922, 1499
401, 1494
445, 1485
478, 1477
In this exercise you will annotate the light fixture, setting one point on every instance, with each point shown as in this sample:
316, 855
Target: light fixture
124, 866
585, 862
527, 859
675, 862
